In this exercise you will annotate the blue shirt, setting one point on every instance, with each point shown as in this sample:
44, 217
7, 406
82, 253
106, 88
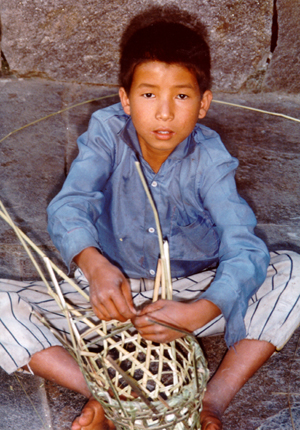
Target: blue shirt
103, 204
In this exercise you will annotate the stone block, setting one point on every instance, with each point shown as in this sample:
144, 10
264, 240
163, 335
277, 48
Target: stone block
32, 163
267, 148
32, 159
284, 69
23, 403
78, 118
79, 41
283, 420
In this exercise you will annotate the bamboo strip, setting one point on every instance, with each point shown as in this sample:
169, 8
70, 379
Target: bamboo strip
22, 235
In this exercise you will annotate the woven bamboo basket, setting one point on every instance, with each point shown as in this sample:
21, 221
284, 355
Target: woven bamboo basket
140, 384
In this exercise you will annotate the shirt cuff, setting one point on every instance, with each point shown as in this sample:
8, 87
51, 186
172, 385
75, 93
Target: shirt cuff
75, 241
232, 311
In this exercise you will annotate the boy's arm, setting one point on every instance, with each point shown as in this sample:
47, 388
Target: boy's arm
186, 316
110, 293
243, 257
74, 211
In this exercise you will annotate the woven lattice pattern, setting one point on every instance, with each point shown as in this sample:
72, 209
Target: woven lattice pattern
172, 377
139, 383
159, 368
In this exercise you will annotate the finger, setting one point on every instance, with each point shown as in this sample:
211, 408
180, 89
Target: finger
110, 304
152, 307
101, 312
122, 306
107, 311
141, 322
149, 330
115, 311
159, 337
126, 290
153, 330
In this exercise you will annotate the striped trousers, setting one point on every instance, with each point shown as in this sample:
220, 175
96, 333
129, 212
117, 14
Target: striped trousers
273, 312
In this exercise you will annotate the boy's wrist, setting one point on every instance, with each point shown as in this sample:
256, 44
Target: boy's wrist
89, 260
203, 312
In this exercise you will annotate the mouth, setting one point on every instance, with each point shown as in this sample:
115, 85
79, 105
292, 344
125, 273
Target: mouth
163, 134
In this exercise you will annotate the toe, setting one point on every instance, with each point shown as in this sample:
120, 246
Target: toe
210, 420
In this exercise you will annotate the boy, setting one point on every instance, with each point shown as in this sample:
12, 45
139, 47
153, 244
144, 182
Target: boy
102, 220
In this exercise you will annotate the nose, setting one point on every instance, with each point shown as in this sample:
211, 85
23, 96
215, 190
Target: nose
164, 110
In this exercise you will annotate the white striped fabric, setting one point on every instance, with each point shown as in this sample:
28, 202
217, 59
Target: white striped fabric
273, 313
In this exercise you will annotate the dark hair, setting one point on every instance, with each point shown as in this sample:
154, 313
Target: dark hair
167, 41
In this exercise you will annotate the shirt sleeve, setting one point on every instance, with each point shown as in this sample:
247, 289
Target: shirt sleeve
243, 257
72, 214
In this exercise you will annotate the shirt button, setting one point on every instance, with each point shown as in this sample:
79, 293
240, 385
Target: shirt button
151, 230
154, 184
152, 272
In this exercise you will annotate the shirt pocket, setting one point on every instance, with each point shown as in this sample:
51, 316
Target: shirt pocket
194, 242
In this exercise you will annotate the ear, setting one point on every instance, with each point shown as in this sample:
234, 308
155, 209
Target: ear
124, 100
205, 103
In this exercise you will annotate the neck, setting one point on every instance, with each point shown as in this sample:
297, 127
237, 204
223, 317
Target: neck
155, 159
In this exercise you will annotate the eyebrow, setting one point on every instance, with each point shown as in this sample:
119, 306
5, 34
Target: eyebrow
146, 85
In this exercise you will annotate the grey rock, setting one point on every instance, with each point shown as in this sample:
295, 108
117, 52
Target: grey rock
32, 163
64, 405
267, 148
79, 41
34, 160
77, 118
284, 69
21, 411
286, 419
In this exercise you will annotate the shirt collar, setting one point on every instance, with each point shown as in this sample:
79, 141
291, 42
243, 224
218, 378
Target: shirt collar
128, 134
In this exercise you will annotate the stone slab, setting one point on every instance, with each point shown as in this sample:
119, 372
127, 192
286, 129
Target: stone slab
32, 160
284, 69
286, 419
79, 41
32, 165
267, 392
20, 411
268, 151
77, 118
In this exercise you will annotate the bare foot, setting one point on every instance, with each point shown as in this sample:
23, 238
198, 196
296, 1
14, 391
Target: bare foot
210, 420
92, 418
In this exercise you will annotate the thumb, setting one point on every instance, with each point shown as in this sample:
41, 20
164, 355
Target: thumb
152, 307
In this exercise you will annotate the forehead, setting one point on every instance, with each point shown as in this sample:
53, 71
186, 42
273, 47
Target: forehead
158, 73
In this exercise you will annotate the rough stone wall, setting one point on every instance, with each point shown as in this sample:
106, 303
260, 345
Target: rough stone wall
255, 44
284, 71
78, 40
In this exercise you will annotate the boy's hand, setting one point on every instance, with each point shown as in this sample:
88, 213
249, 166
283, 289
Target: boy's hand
173, 313
186, 316
110, 292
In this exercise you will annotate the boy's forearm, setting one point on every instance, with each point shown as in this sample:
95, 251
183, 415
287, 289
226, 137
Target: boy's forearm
89, 260
201, 313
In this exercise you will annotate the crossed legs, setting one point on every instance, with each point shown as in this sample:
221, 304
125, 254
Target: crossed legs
238, 365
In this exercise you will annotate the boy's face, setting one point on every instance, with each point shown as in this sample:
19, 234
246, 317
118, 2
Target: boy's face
164, 103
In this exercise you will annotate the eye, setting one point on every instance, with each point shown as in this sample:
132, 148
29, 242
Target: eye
148, 95
182, 96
